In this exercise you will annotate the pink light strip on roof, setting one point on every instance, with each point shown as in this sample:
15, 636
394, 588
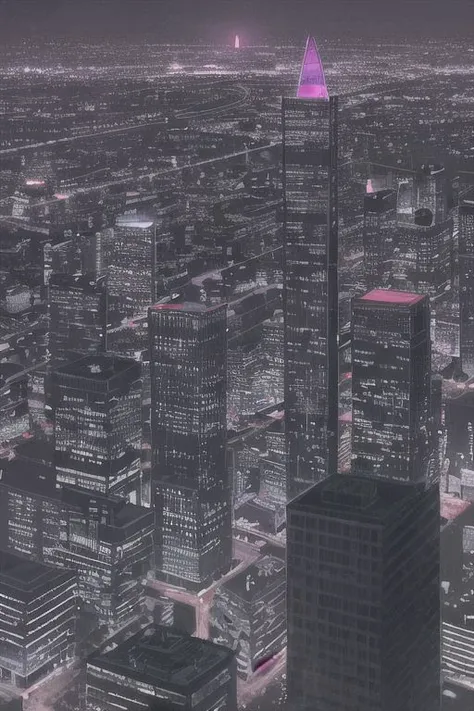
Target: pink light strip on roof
389, 296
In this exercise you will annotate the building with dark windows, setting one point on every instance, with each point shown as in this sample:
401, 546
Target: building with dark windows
380, 225
391, 385
248, 614
466, 282
193, 490
165, 667
363, 596
131, 263
109, 542
310, 276
97, 406
38, 607
77, 316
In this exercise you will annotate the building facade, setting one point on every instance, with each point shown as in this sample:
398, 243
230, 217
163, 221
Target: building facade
38, 609
363, 596
97, 406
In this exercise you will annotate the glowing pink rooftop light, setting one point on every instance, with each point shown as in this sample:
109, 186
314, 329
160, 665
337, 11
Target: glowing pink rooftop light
389, 296
369, 188
237, 42
312, 84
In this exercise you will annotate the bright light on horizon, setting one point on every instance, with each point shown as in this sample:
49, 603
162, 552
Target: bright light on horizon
237, 42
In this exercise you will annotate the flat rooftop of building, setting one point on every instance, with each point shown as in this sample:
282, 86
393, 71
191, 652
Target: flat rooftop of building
166, 658
358, 497
98, 367
255, 580
390, 296
27, 578
186, 307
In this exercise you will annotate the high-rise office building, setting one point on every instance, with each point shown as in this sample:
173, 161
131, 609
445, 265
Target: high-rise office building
380, 224
310, 276
363, 596
77, 316
188, 344
459, 421
14, 416
167, 666
38, 609
97, 405
466, 282
131, 263
109, 542
391, 385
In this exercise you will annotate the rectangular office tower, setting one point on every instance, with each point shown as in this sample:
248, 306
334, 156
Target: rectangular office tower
97, 406
466, 282
77, 310
310, 277
38, 610
193, 490
109, 542
363, 599
391, 385
131, 263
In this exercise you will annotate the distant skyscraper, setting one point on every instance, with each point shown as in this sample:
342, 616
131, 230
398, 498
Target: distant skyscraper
77, 316
97, 405
131, 263
391, 385
466, 282
165, 666
363, 596
431, 191
188, 345
310, 276
237, 42
380, 224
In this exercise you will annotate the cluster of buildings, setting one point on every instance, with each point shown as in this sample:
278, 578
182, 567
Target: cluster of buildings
156, 444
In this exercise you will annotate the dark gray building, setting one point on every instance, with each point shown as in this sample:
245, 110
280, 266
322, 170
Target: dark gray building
164, 666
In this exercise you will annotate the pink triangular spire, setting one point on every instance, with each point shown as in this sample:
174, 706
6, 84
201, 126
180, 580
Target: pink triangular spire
312, 84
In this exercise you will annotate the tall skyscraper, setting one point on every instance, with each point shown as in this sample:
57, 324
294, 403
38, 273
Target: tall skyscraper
77, 316
188, 344
363, 597
391, 385
466, 282
310, 276
131, 263
97, 405
380, 224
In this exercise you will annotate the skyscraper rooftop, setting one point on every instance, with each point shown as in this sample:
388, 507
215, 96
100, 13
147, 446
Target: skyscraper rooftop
312, 84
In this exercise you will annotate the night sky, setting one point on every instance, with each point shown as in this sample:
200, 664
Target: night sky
215, 20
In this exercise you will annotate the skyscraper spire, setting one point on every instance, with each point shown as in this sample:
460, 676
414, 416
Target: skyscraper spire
312, 84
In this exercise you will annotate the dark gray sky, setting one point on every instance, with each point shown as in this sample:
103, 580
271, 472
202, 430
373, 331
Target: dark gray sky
215, 20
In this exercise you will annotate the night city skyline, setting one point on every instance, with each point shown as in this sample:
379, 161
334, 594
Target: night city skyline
236, 355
